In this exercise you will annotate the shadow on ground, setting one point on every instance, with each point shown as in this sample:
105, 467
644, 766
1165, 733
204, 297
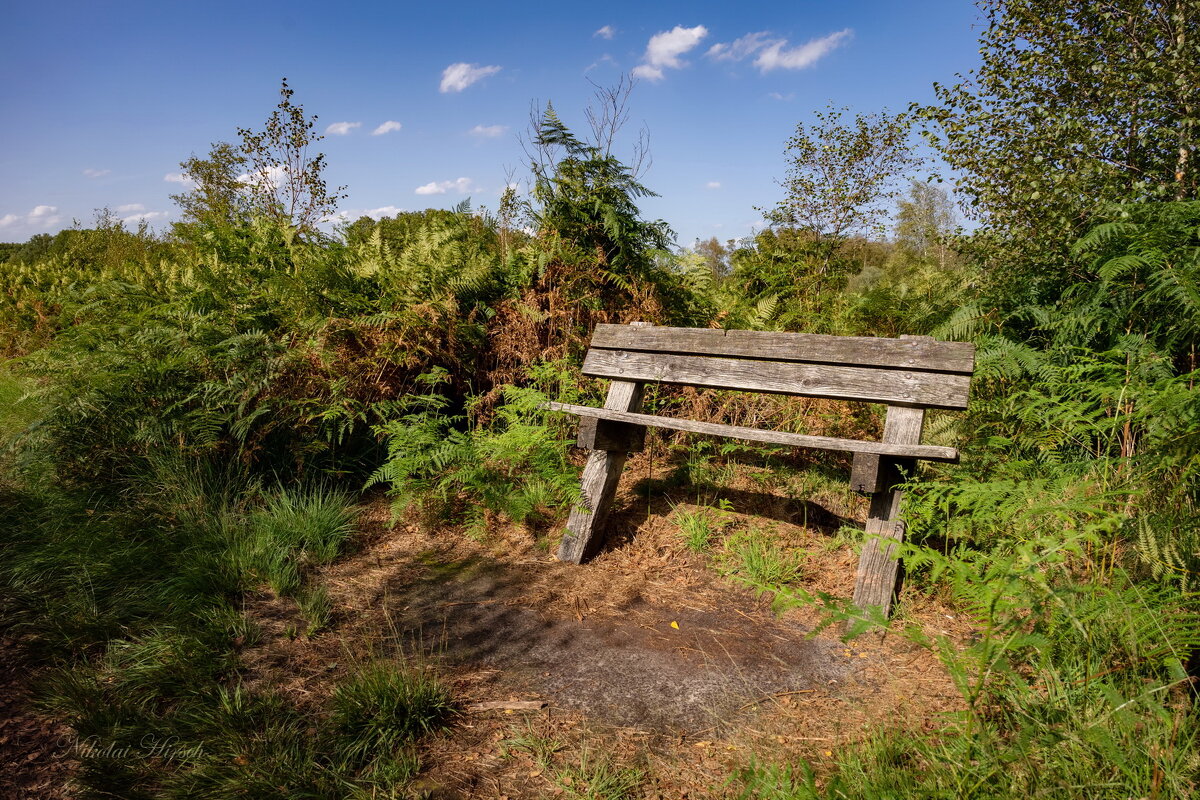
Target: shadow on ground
632, 668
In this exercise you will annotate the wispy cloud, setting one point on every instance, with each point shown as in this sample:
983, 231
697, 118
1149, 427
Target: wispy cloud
178, 177
457, 77
713, 185
777, 56
142, 215
774, 53
664, 51
130, 208
607, 32
96, 173
342, 128
462, 186
604, 59
39, 219
488, 131
739, 48
387, 127
357, 213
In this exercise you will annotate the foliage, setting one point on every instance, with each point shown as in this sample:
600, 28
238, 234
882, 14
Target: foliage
1076, 104
285, 182
841, 176
517, 466
188, 419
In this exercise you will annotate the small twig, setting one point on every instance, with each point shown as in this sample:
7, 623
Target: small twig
774, 696
508, 705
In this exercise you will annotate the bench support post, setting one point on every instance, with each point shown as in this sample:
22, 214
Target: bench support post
598, 486
877, 580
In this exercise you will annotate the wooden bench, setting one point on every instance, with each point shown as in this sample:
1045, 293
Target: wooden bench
908, 375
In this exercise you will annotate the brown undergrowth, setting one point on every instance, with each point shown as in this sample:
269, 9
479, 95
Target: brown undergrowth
646, 657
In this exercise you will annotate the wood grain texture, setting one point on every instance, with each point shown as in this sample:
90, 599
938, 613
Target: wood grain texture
925, 452
596, 433
922, 354
867, 473
598, 485
875, 582
878, 566
894, 387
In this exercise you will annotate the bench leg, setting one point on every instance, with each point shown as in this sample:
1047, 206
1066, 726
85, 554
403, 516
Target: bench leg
878, 567
585, 528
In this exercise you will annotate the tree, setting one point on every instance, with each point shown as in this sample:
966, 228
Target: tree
841, 176
219, 197
716, 255
285, 182
925, 221
270, 174
1076, 104
586, 196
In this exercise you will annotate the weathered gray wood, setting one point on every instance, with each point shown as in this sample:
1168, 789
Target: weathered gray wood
894, 387
867, 472
596, 433
905, 353
598, 485
896, 450
875, 583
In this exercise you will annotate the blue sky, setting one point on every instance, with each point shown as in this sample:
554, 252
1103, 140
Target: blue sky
105, 99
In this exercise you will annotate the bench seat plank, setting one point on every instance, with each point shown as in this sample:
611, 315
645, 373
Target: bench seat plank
922, 451
893, 387
814, 348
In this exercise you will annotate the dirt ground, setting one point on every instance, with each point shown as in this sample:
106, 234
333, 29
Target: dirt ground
35, 751
646, 658
646, 655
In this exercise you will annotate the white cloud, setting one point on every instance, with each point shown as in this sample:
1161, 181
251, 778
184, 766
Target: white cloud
604, 59
664, 50
373, 213
387, 127
774, 53
713, 185
96, 173
774, 56
739, 48
607, 32
383, 211
488, 131
130, 208
178, 177
457, 77
273, 176
342, 128
39, 219
145, 216
782, 97
462, 186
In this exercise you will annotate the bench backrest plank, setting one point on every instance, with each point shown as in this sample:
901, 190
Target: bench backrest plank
865, 384
916, 354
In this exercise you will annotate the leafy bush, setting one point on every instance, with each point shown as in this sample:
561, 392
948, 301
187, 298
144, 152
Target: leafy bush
516, 466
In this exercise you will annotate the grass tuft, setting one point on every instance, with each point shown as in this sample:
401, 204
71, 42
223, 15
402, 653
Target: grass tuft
384, 707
